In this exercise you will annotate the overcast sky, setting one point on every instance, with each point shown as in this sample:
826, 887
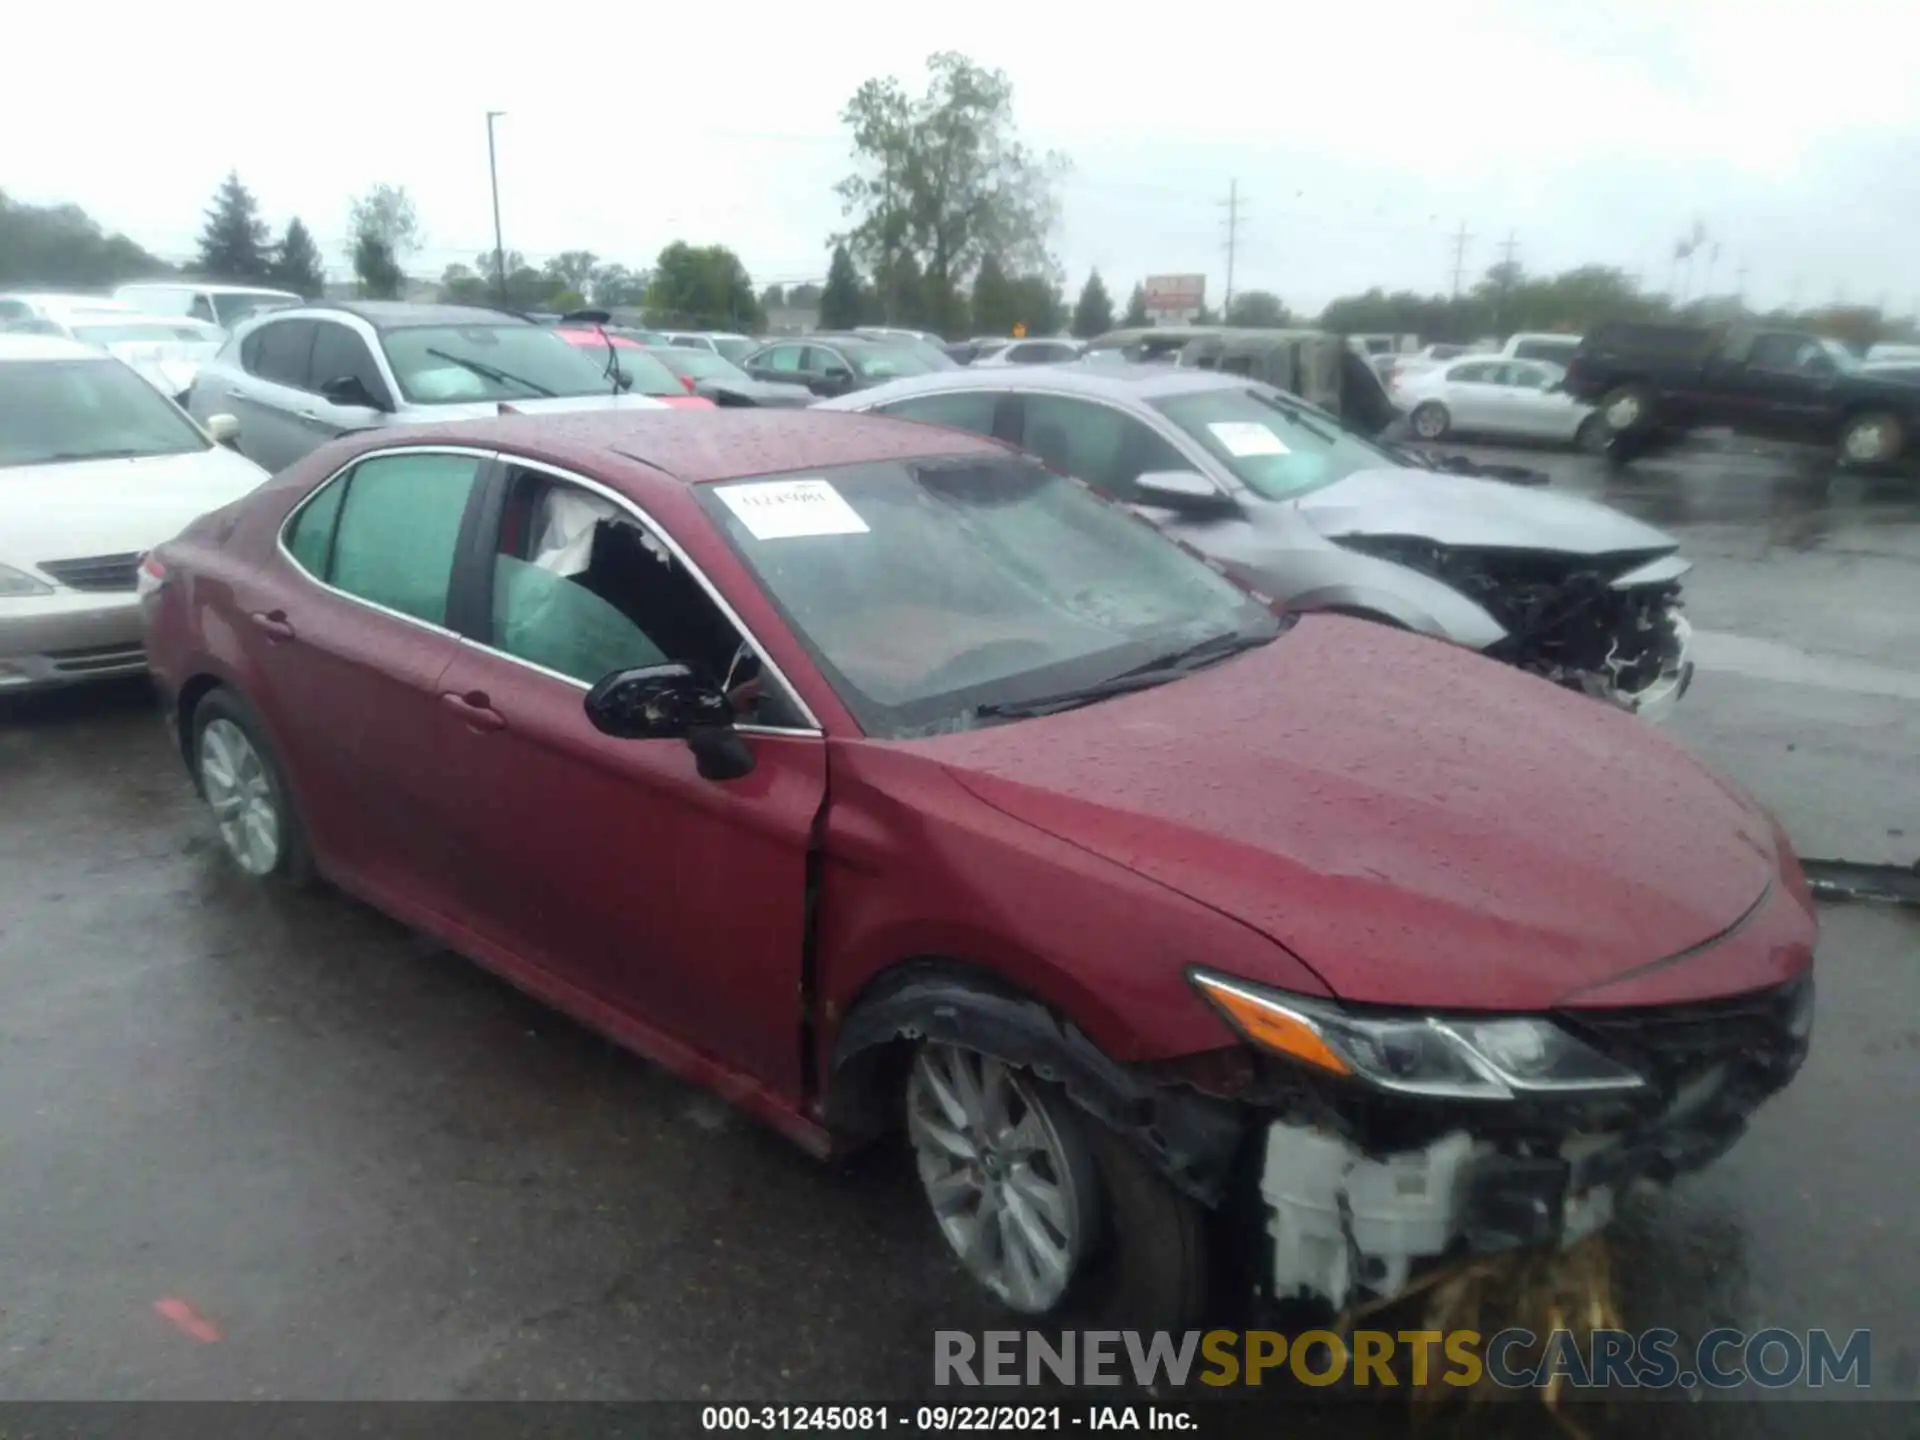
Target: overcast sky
1361, 136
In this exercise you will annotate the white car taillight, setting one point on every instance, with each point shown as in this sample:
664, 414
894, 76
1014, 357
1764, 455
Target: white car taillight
150, 577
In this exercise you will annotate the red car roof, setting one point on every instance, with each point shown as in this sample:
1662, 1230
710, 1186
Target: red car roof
695, 447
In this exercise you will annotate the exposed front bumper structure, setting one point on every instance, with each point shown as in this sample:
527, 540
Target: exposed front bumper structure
1349, 1218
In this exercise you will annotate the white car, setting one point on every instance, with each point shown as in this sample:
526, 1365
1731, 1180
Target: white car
166, 352
724, 343
1509, 399
96, 468
222, 305
1540, 345
1035, 352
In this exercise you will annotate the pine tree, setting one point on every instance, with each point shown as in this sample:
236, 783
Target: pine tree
1136, 315
841, 300
1094, 314
233, 242
296, 262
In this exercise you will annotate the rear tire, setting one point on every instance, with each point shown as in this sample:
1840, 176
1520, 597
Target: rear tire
1873, 438
1594, 435
1430, 420
239, 775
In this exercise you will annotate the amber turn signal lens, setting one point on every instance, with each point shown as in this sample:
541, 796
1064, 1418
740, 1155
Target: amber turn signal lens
1265, 1023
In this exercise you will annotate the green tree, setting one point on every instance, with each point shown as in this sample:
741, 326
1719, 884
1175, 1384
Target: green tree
995, 306
61, 245
804, 297
380, 275
233, 241
462, 285
774, 297
386, 211
704, 287
1136, 316
1259, 309
572, 270
900, 294
296, 262
944, 178
617, 286
840, 299
527, 288
1093, 315
1037, 304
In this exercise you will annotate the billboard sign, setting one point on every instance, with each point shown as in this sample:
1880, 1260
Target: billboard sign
1176, 292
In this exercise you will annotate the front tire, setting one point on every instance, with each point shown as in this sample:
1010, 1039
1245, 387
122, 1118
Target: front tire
240, 778
1594, 435
1044, 1206
1873, 438
1430, 420
1628, 409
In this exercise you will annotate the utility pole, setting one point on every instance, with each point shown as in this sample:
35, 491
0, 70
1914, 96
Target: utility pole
1740, 285
1460, 239
1233, 243
493, 175
1508, 276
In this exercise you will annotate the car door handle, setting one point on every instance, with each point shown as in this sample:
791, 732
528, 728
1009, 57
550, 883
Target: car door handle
273, 623
475, 710
306, 415
233, 394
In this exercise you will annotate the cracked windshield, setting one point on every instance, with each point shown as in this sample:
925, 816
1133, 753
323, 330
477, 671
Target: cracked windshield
1037, 722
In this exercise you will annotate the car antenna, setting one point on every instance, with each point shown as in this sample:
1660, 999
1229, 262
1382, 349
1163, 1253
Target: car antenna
598, 319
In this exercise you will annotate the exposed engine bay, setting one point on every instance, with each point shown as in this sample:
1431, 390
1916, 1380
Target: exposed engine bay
1569, 618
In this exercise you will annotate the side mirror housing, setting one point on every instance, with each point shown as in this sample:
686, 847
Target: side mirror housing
1186, 491
669, 702
349, 390
224, 429
837, 375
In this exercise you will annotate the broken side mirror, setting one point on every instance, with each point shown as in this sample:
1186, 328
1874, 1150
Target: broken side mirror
1187, 491
669, 702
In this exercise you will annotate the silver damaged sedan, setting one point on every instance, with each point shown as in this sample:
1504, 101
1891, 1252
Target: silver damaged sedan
1274, 490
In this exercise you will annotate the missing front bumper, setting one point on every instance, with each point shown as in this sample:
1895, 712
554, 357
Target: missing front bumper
1346, 1222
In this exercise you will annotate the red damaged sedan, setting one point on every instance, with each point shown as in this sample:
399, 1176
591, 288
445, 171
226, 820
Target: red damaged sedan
881, 779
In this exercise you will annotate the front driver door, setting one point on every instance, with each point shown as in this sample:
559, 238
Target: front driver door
628, 882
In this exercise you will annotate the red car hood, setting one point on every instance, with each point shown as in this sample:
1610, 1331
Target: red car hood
1420, 825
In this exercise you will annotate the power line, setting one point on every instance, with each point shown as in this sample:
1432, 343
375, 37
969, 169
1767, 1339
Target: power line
1460, 239
1507, 247
1232, 203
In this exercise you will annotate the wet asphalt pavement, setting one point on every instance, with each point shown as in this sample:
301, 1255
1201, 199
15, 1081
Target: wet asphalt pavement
255, 1145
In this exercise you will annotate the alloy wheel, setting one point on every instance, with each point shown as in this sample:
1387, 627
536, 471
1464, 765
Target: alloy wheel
1010, 1195
1430, 422
1624, 413
234, 780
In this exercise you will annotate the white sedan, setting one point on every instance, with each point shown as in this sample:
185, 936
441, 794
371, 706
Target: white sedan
1508, 399
96, 468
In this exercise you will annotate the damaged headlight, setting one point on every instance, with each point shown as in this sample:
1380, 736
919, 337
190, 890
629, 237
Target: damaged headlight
1444, 1057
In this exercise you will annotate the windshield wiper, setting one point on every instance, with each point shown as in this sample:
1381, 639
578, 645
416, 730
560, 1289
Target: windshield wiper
489, 372
1157, 671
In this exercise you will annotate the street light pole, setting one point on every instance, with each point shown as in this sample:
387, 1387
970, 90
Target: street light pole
493, 174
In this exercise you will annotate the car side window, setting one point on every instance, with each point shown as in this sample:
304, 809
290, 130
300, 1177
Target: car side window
201, 308
583, 589
784, 358
687, 342
1476, 374
818, 359
1095, 443
1781, 352
282, 352
963, 410
395, 532
15, 310
340, 352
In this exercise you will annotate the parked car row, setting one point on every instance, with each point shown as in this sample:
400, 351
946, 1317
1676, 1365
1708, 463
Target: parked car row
889, 780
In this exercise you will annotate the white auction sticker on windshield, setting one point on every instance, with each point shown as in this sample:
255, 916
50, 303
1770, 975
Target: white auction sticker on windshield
1247, 437
789, 509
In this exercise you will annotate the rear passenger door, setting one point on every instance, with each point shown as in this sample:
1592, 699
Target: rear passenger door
272, 393
346, 645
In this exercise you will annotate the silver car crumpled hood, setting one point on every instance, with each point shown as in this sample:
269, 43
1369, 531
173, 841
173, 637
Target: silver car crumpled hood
1458, 510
